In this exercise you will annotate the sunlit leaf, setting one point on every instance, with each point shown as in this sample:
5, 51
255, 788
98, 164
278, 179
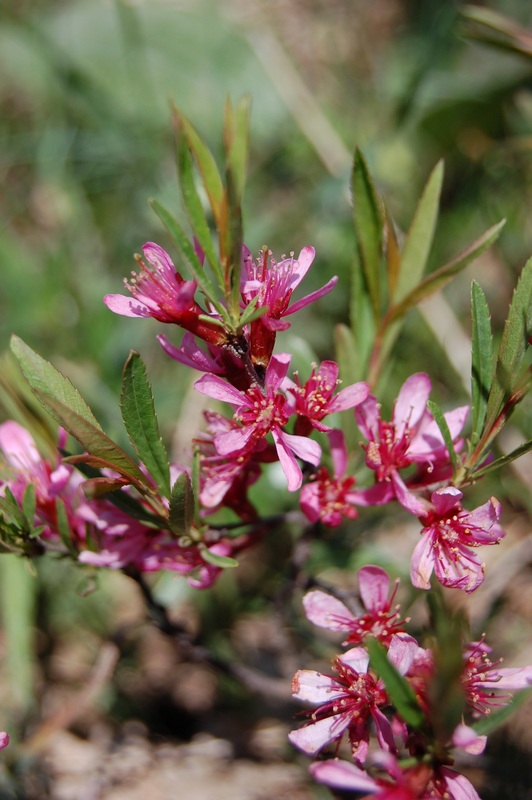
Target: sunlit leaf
481, 359
140, 420
182, 503
513, 347
441, 422
438, 279
368, 228
206, 164
420, 235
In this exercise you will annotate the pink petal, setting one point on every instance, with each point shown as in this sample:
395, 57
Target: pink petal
218, 389
349, 397
408, 500
422, 564
313, 737
509, 678
233, 441
326, 611
291, 468
402, 651
310, 502
338, 452
313, 687
276, 371
343, 775
304, 448
367, 416
357, 658
458, 786
126, 306
18, 444
445, 499
374, 584
468, 739
312, 297
411, 402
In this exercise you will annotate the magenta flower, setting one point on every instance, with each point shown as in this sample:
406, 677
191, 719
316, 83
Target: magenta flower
412, 437
316, 399
22, 465
381, 619
330, 498
4, 739
348, 703
260, 412
483, 679
448, 536
273, 283
420, 782
160, 292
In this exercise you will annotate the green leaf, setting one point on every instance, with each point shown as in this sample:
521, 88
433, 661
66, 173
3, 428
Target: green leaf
368, 229
487, 725
438, 279
513, 347
481, 359
63, 527
19, 599
418, 243
182, 505
194, 208
251, 312
45, 380
11, 509
188, 253
206, 165
29, 503
441, 422
57, 394
503, 460
140, 420
224, 562
399, 690
236, 137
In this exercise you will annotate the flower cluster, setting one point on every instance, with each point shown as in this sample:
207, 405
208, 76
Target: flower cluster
404, 760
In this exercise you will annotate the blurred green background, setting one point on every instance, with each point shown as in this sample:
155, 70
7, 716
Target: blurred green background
86, 140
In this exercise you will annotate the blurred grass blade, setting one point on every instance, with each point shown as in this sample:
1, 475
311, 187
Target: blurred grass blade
481, 359
419, 239
140, 420
438, 279
524, 448
368, 229
19, 593
188, 253
194, 208
401, 693
513, 347
490, 27
182, 505
206, 165
441, 422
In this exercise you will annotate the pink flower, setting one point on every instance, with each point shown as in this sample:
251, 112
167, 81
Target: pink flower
329, 498
4, 739
316, 399
482, 679
273, 283
448, 536
420, 782
411, 437
160, 292
381, 619
260, 412
348, 702
23, 465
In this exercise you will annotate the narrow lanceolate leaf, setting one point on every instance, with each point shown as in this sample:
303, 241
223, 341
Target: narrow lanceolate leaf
193, 206
438, 279
236, 137
441, 422
514, 343
29, 503
45, 380
188, 254
251, 312
368, 228
399, 690
393, 255
524, 448
206, 165
182, 503
497, 718
481, 359
140, 420
418, 242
